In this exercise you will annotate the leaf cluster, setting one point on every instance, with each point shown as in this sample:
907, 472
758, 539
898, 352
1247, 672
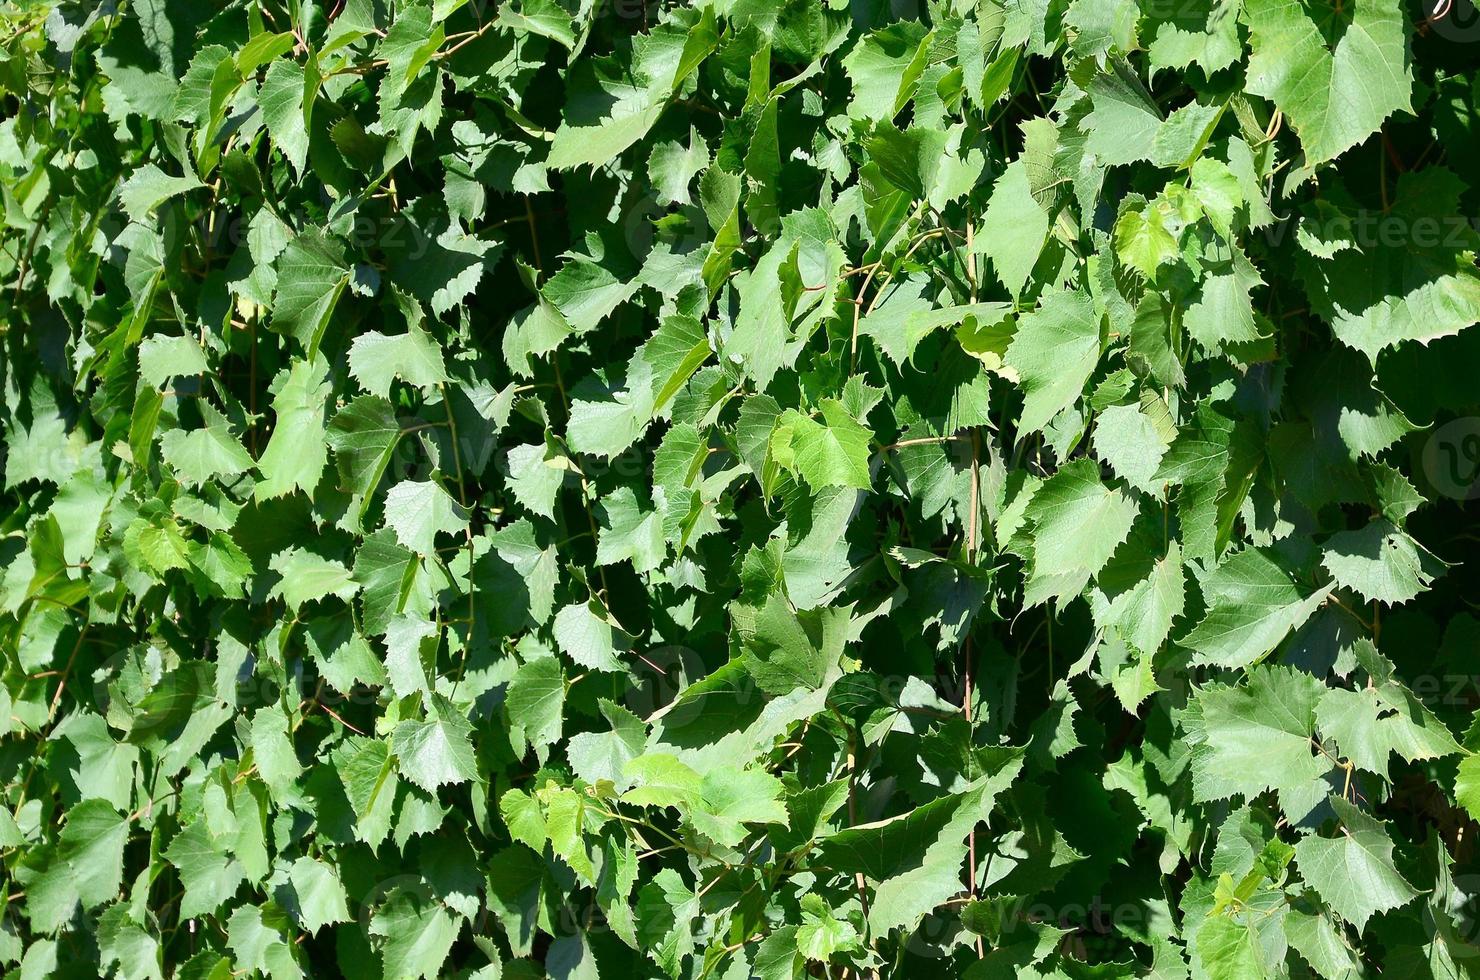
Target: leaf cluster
739, 488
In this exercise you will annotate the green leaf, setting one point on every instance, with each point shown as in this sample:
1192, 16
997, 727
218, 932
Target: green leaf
631, 533
1380, 563
1014, 228
1321, 943
415, 932
149, 187
1353, 872
604, 755
666, 908
1142, 594
1256, 736
1076, 525
92, 843
437, 750
536, 474
674, 352
1335, 94
1133, 439
162, 358
885, 68
915, 858
1054, 351
1229, 948
320, 895
1124, 122
203, 455
1381, 718
822, 933
1143, 240
364, 435
661, 780
535, 703
613, 103
730, 798
375, 360
830, 453
123, 941
784, 654
566, 815
807, 250
905, 317
273, 753
1467, 784
524, 818
419, 510
206, 868
1407, 274
259, 938
312, 275
1252, 605
297, 451
367, 770
586, 635
541, 17
307, 577
406, 650
287, 98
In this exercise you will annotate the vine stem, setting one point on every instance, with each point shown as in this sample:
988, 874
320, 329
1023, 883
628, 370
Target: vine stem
462, 498
971, 256
56, 699
857, 312
463, 41
20, 278
967, 672
852, 765
873, 268
581, 471
534, 238
972, 531
923, 441
51, 713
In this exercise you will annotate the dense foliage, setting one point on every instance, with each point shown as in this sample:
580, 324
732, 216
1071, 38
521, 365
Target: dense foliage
744, 488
